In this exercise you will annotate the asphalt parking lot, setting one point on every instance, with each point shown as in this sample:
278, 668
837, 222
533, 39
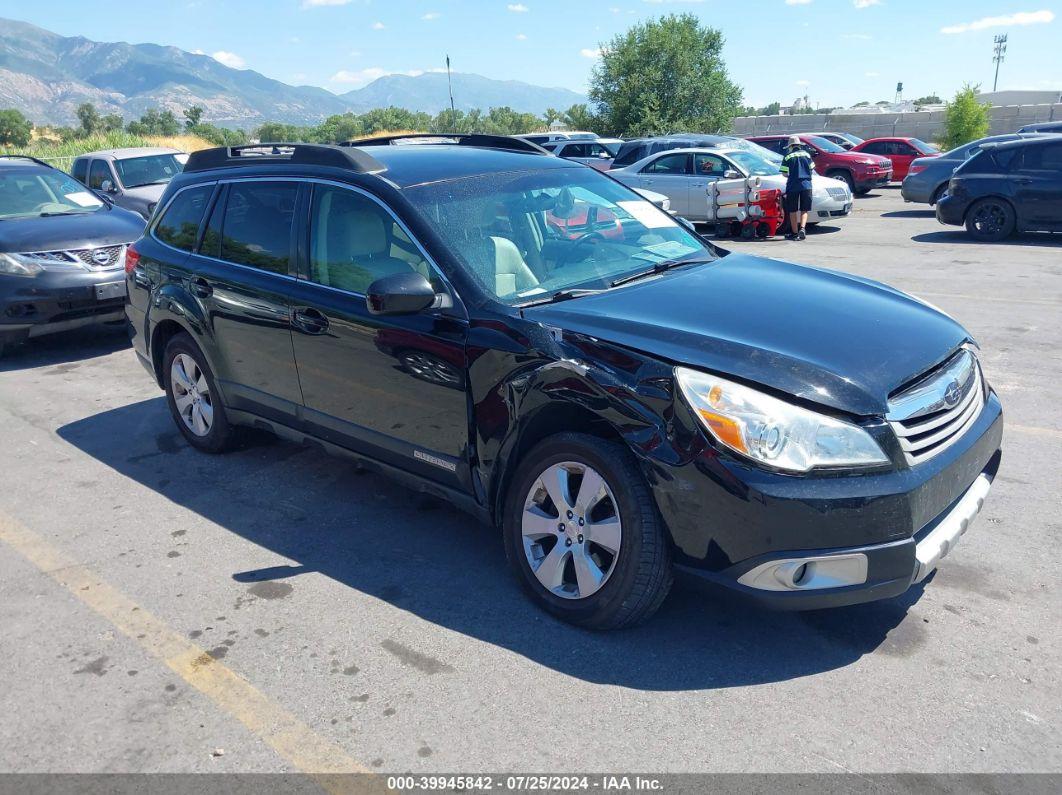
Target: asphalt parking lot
277, 610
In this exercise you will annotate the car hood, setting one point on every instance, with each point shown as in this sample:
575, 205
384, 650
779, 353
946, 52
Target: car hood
105, 227
823, 336
855, 156
818, 182
147, 193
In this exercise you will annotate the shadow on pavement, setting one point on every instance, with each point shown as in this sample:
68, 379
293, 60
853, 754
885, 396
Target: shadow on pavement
959, 235
926, 213
70, 346
438, 564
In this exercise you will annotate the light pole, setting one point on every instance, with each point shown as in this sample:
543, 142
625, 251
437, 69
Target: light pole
1000, 54
450, 87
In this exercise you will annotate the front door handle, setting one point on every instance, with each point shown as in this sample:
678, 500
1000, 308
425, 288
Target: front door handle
201, 287
1023, 180
309, 320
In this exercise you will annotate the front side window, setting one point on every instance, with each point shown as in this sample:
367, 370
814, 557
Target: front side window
29, 192
256, 227
574, 150
523, 236
179, 225
80, 171
354, 241
98, 173
668, 164
709, 166
135, 172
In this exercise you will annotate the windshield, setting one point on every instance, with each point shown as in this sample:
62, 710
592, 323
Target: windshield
923, 147
613, 147
524, 236
27, 193
824, 145
754, 165
150, 170
760, 151
855, 140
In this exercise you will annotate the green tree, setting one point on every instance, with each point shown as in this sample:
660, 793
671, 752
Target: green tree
928, 99
550, 116
154, 122
664, 75
219, 136
88, 117
15, 129
192, 116
580, 117
966, 118
112, 122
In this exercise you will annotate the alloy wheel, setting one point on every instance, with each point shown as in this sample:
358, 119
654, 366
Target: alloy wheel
571, 530
990, 219
191, 394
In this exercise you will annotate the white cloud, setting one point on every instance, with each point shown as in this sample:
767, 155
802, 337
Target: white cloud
871, 74
803, 82
378, 26
586, 52
318, 3
431, 15
360, 77
866, 3
1008, 21
521, 37
797, 2
230, 59
518, 8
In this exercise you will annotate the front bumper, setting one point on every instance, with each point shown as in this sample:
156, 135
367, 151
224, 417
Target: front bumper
869, 180
875, 534
825, 207
59, 301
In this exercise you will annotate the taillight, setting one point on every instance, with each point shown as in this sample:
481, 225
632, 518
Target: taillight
915, 168
132, 257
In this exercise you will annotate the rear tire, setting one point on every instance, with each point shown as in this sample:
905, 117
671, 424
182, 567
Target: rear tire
193, 397
629, 570
990, 220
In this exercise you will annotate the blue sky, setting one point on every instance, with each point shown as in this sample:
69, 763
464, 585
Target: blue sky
837, 51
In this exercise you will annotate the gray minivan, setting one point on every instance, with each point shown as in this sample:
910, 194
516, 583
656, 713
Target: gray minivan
133, 177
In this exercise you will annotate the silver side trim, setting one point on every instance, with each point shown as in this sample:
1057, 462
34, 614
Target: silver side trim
943, 538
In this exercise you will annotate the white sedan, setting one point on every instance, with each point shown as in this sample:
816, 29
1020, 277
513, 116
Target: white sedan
683, 175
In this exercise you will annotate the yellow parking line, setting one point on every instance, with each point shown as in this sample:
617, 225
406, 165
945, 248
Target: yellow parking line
1035, 431
279, 729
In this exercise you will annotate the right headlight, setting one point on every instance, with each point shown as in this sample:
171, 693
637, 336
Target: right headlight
772, 431
19, 265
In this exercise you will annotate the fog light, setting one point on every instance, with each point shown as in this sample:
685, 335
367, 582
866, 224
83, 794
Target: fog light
808, 574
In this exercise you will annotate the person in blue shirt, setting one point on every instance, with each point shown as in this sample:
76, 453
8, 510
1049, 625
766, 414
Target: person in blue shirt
798, 167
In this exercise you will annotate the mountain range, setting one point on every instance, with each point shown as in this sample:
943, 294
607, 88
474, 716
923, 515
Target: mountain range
46, 76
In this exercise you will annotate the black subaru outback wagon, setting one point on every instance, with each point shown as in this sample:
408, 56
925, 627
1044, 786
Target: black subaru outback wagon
536, 343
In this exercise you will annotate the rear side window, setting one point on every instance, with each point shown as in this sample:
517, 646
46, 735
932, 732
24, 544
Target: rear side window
668, 164
1043, 158
179, 226
877, 148
256, 229
629, 154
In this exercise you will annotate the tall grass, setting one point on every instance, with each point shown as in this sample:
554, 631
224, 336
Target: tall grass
62, 154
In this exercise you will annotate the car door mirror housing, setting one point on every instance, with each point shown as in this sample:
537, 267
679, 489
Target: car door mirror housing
731, 174
400, 294
107, 186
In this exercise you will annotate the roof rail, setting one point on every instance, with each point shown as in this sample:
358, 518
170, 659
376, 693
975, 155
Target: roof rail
272, 153
481, 140
36, 160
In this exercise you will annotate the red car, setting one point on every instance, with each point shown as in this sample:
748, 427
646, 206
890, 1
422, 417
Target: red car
901, 151
861, 171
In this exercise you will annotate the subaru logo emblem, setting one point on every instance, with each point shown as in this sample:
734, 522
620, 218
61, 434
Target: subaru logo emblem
953, 393
101, 256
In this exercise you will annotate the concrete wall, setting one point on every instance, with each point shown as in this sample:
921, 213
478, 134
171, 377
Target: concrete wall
928, 125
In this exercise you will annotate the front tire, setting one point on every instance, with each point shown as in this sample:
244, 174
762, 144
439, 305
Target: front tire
990, 220
844, 177
583, 534
193, 397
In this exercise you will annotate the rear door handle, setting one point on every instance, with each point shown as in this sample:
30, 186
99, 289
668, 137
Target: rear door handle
309, 320
201, 287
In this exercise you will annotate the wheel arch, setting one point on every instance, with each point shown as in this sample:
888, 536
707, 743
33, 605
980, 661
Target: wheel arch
173, 313
1005, 199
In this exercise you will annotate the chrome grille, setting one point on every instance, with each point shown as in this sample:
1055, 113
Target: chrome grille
936, 411
841, 194
100, 258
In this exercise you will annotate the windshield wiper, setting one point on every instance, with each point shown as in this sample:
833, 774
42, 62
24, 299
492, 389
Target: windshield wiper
72, 212
660, 267
561, 295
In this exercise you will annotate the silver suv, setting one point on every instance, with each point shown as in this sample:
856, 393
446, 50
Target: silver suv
133, 178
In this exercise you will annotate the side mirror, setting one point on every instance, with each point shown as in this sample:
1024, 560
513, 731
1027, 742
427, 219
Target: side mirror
400, 294
107, 186
731, 174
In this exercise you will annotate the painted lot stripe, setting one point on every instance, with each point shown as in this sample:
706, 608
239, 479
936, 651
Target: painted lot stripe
279, 729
